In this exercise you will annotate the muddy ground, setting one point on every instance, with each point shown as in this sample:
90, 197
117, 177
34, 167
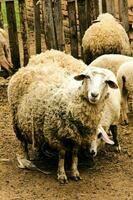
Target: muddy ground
110, 178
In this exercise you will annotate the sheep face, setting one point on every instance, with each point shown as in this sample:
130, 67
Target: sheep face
95, 85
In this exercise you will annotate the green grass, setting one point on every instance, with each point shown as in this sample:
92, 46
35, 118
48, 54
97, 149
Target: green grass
4, 14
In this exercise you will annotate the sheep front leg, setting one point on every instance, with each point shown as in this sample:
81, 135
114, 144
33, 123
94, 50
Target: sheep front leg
61, 170
74, 169
114, 131
124, 109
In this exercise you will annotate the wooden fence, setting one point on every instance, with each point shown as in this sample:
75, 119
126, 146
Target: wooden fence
81, 13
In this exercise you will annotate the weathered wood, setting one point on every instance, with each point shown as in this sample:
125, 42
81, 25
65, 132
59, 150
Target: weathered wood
73, 27
82, 20
87, 13
100, 7
92, 11
49, 27
1, 18
24, 30
123, 12
110, 5
42, 8
58, 20
37, 26
13, 35
104, 6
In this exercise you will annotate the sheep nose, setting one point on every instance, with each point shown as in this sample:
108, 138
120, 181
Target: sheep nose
92, 152
94, 95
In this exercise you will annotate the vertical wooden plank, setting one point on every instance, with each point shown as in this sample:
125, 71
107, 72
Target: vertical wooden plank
49, 27
100, 7
24, 30
110, 4
92, 10
37, 26
123, 12
94, 5
58, 20
104, 6
73, 27
1, 18
13, 35
82, 20
42, 8
88, 13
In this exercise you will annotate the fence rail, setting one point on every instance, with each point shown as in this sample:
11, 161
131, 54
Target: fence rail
81, 13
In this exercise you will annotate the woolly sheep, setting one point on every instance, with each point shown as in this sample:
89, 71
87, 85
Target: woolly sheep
125, 81
109, 120
111, 61
5, 58
58, 115
104, 37
65, 61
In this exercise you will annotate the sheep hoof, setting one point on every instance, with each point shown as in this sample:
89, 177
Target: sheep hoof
117, 148
62, 178
75, 176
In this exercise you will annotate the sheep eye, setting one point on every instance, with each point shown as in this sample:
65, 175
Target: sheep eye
99, 135
88, 77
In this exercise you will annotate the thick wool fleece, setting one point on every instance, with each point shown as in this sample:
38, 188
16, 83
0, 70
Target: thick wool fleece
65, 61
111, 61
126, 70
105, 37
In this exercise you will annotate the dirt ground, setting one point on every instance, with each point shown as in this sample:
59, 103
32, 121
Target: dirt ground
110, 178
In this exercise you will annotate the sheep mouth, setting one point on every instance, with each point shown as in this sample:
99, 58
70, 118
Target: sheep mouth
93, 100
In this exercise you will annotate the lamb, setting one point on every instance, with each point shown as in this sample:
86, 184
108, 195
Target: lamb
125, 81
65, 116
5, 58
106, 36
109, 121
111, 61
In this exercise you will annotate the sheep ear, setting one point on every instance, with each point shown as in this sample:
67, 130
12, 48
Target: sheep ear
95, 21
112, 84
105, 137
80, 77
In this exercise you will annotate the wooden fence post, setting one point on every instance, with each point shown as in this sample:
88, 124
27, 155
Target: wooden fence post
1, 18
13, 35
92, 10
73, 27
24, 30
87, 13
123, 13
58, 20
49, 27
94, 5
110, 5
37, 26
82, 20
104, 6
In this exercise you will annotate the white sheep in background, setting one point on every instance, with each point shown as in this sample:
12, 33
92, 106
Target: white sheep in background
106, 36
125, 81
60, 114
111, 61
109, 121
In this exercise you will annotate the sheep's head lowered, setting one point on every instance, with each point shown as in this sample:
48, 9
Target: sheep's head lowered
95, 84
